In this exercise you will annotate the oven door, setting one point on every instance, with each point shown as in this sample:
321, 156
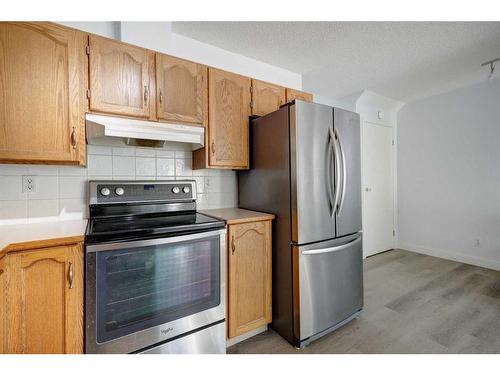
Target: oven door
147, 292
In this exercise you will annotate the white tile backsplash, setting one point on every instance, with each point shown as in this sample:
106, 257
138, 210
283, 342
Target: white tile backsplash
73, 206
46, 187
72, 186
123, 165
99, 150
13, 210
72, 171
165, 167
149, 152
62, 191
200, 184
11, 188
124, 151
183, 168
11, 169
99, 165
165, 154
145, 166
42, 170
43, 207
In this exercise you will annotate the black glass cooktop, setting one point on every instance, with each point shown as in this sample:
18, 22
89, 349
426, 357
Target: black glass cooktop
141, 227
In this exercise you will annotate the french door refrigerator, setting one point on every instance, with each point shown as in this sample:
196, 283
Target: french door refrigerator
305, 168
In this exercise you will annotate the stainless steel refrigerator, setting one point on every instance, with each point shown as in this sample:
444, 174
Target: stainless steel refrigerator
305, 167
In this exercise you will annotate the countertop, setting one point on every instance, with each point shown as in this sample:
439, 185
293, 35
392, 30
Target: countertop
29, 236
38, 235
237, 215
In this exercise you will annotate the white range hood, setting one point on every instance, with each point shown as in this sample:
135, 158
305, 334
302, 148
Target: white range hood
141, 132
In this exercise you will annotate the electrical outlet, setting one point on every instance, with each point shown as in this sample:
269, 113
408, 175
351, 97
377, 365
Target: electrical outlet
29, 185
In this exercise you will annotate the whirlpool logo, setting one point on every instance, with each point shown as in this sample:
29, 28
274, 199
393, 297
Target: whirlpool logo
165, 331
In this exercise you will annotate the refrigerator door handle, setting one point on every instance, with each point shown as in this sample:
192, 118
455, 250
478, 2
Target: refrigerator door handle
331, 249
344, 173
333, 135
329, 184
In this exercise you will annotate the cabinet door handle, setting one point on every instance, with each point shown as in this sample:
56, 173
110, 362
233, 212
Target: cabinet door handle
146, 94
70, 275
213, 147
233, 246
73, 137
160, 97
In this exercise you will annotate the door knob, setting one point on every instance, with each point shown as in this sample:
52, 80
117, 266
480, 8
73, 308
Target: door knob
368, 189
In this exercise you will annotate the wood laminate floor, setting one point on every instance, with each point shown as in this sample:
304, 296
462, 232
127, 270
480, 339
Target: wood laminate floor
414, 303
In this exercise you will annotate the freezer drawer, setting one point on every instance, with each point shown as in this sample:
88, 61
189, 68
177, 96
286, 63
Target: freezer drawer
330, 284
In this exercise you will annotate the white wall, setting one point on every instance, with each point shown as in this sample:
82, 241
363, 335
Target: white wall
449, 175
108, 29
349, 105
158, 36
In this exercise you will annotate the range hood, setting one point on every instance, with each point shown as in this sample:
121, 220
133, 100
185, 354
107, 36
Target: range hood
100, 128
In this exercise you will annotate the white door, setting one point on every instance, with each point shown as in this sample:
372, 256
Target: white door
378, 188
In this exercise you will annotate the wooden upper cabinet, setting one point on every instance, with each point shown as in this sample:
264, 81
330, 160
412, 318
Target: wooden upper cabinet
292, 94
266, 97
44, 308
250, 275
181, 90
121, 78
43, 78
229, 112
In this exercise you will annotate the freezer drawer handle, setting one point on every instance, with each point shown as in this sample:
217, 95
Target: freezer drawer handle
331, 249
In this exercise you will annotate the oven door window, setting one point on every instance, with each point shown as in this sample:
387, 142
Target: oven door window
143, 287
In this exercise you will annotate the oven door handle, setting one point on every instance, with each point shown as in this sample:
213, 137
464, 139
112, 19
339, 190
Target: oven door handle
153, 242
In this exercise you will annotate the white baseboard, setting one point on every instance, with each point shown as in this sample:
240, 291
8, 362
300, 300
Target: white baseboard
240, 338
438, 253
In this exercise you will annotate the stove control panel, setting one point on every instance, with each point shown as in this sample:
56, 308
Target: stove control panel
106, 192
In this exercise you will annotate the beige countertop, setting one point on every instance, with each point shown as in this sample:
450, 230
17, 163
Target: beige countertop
237, 215
38, 235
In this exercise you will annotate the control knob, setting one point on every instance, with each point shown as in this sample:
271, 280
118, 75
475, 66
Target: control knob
186, 189
119, 191
176, 190
105, 191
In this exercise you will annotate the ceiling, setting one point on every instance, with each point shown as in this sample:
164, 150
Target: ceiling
401, 60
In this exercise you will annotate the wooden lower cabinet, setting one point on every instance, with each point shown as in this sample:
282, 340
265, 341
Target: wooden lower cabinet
42, 300
249, 276
3, 321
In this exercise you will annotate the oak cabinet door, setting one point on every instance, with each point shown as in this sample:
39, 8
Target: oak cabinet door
181, 90
249, 269
229, 112
43, 82
3, 301
292, 94
121, 78
45, 300
266, 97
